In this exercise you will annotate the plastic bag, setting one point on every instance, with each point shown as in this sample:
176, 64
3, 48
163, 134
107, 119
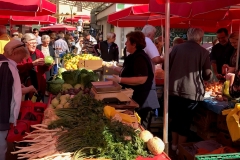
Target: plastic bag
233, 122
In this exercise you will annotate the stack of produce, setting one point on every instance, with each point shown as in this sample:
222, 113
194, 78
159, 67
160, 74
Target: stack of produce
87, 133
71, 81
216, 90
71, 61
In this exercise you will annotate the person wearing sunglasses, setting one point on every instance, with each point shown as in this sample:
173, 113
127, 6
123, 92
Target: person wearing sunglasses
10, 89
32, 70
36, 33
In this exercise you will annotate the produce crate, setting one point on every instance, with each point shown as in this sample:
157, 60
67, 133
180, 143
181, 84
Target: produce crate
207, 135
184, 153
218, 156
221, 123
205, 119
90, 64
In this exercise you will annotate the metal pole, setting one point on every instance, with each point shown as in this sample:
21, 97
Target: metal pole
166, 72
236, 69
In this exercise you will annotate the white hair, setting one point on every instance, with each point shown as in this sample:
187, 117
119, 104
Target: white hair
148, 30
111, 35
45, 37
195, 34
28, 37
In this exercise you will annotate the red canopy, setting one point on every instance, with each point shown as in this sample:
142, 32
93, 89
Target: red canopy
82, 16
189, 10
137, 16
136, 1
58, 27
28, 20
27, 7
75, 20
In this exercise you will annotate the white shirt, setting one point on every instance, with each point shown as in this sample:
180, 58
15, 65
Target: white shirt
151, 50
79, 47
45, 51
93, 40
39, 40
80, 21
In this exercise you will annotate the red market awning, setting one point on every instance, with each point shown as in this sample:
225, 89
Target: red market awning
58, 27
82, 16
192, 9
27, 20
138, 16
136, 1
27, 7
74, 20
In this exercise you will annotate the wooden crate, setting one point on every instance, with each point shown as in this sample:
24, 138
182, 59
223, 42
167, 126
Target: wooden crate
205, 119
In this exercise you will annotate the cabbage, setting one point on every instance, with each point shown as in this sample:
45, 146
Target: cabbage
48, 60
55, 86
71, 77
60, 71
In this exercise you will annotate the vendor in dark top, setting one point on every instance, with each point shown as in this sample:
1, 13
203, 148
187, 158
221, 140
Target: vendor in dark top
221, 52
137, 72
108, 49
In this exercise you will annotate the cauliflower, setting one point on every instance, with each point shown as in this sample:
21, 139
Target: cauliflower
66, 86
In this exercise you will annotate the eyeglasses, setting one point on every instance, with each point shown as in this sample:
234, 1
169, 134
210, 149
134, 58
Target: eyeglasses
35, 32
156, 42
32, 43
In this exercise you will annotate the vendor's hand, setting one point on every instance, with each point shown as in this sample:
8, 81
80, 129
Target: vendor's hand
39, 62
114, 78
219, 76
31, 89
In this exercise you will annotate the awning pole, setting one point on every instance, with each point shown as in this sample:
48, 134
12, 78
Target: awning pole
238, 49
166, 72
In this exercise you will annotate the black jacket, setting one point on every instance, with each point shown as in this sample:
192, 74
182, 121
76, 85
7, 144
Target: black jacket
107, 55
6, 81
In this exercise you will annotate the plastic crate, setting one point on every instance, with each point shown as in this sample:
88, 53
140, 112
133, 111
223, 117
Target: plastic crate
218, 156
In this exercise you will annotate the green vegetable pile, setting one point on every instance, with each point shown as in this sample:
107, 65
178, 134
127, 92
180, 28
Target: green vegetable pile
91, 135
55, 86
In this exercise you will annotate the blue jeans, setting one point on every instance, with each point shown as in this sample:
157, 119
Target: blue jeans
55, 69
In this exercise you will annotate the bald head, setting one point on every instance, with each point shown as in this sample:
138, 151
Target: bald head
15, 50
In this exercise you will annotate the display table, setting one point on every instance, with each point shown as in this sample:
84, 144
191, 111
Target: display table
215, 106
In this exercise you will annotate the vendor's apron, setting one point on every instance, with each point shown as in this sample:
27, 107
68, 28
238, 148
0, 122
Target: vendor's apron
152, 99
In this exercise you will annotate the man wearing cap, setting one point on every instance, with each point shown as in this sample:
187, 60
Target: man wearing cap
10, 89
89, 43
4, 38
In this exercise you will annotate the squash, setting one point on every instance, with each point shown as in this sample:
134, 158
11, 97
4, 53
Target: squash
146, 135
155, 145
109, 112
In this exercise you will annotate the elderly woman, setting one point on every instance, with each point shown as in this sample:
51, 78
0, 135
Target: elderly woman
137, 74
47, 50
32, 70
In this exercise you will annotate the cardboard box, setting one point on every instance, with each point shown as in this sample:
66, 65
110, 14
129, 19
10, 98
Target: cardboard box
184, 153
109, 71
90, 64
224, 139
222, 123
207, 135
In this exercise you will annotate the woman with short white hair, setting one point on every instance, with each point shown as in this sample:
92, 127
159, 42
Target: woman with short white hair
32, 70
47, 50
